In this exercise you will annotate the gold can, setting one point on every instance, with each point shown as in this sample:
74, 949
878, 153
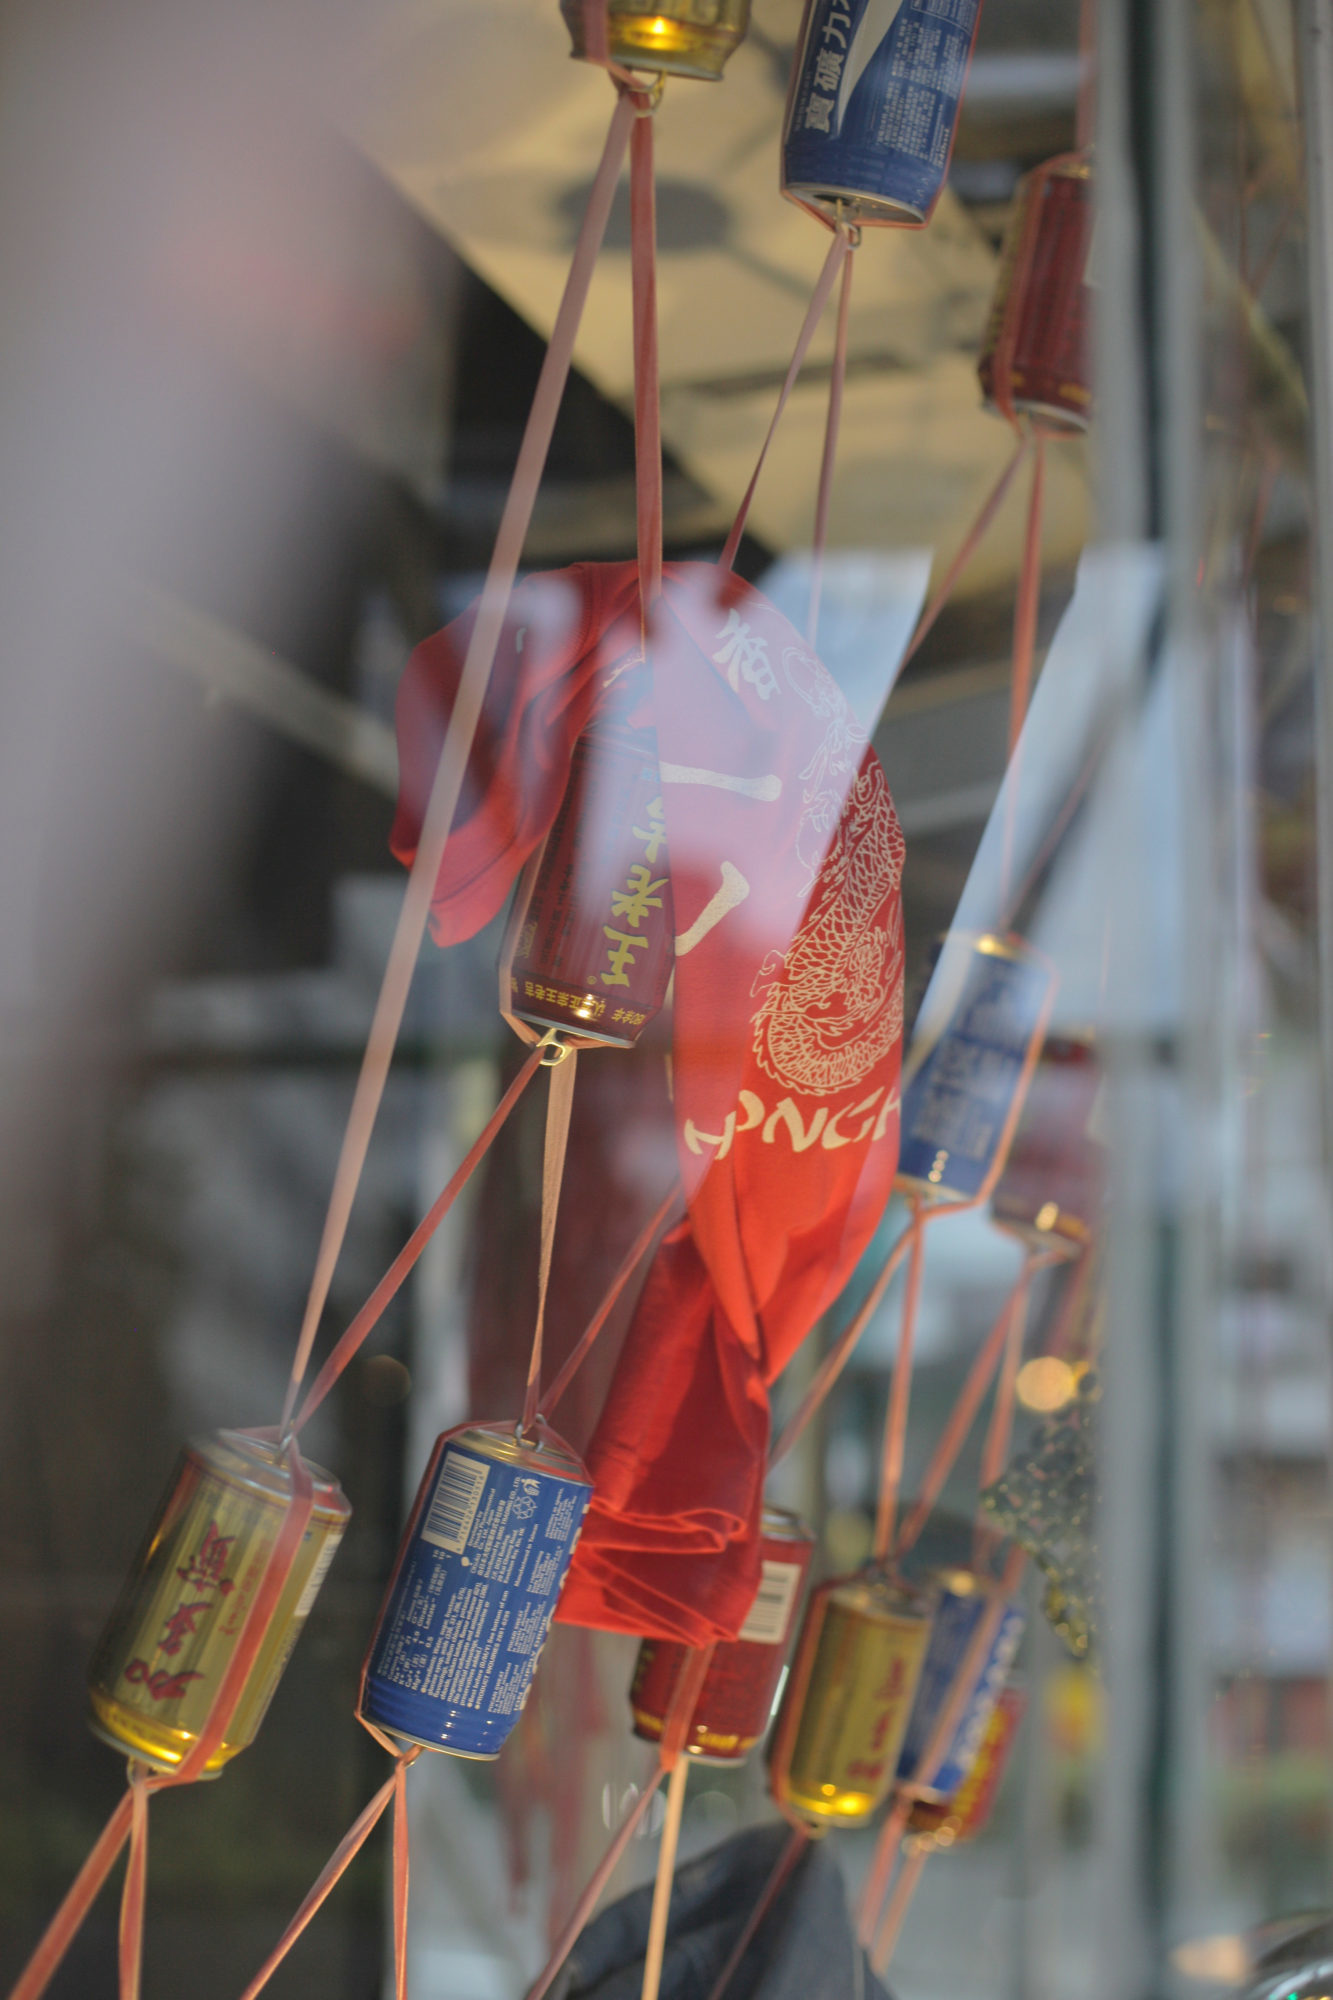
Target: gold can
835, 1748
177, 1621
675, 38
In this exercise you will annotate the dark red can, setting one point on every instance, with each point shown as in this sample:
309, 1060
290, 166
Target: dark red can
737, 1697
591, 938
1050, 1192
1037, 354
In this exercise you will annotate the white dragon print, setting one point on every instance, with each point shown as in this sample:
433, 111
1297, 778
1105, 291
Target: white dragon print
832, 1003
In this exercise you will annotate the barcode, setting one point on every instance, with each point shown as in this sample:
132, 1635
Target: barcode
770, 1614
454, 1506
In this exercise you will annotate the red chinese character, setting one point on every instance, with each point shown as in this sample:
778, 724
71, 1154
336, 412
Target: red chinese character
893, 1683
205, 1569
181, 1625
161, 1685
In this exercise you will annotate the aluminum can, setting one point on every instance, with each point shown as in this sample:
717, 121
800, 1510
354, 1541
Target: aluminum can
481, 1565
1041, 315
834, 1750
962, 1817
964, 1600
675, 37
872, 107
1050, 1193
963, 1086
736, 1699
177, 1621
590, 943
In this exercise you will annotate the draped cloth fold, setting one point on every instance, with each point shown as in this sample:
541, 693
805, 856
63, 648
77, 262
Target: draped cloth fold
785, 859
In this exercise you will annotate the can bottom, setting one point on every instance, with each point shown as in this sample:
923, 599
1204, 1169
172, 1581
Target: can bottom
650, 1730
842, 1808
572, 1027
1052, 415
164, 1750
1069, 1241
643, 39
445, 1749
931, 1192
847, 204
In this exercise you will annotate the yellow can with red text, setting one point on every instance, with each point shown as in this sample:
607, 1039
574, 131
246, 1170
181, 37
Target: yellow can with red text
180, 1616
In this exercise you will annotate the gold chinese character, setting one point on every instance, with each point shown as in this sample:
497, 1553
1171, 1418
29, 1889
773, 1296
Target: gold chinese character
654, 834
639, 895
622, 955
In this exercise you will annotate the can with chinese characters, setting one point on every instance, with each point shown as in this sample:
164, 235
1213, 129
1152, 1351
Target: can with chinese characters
736, 1699
1050, 1193
177, 1621
590, 942
969, 1064
479, 1570
835, 1747
873, 104
1037, 354
674, 38
964, 1600
963, 1816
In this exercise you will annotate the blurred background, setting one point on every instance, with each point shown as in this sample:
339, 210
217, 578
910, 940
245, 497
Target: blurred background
276, 285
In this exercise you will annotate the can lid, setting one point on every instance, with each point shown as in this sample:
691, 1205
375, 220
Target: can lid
542, 1447
877, 1588
256, 1462
779, 1524
960, 1582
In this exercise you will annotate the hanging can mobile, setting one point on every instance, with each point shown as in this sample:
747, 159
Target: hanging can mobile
963, 1081
736, 1699
675, 38
1050, 1193
964, 1600
478, 1573
835, 1748
178, 1620
590, 942
962, 1817
1037, 354
872, 107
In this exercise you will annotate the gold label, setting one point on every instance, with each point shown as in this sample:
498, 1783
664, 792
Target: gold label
162, 1658
856, 1704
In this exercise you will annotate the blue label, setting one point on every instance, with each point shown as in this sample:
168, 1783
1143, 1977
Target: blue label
956, 1105
877, 97
956, 1619
457, 1647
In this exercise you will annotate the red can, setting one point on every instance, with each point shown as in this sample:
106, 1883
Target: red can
964, 1815
1037, 355
739, 1689
1050, 1192
590, 943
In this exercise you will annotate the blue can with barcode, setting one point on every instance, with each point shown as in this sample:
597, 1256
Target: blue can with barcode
486, 1551
964, 1600
873, 104
969, 1066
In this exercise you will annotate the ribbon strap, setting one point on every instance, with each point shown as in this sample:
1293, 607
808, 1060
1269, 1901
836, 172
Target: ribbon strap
460, 734
558, 1107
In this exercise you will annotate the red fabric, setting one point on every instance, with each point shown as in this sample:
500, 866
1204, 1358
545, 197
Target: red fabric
786, 1036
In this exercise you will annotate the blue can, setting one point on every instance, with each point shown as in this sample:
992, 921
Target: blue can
964, 1600
873, 106
486, 1551
963, 1085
